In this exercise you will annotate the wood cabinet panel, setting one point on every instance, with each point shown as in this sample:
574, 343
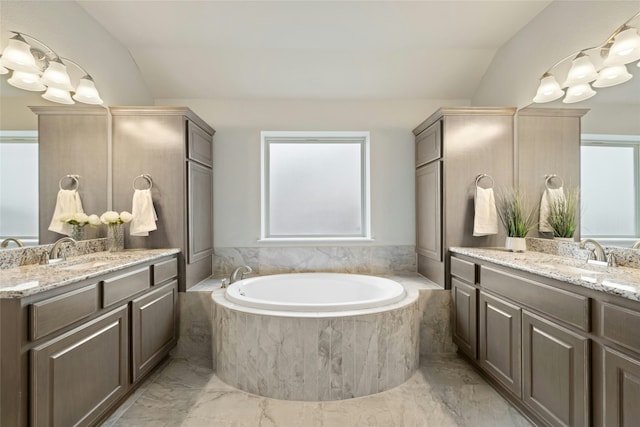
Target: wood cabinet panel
556, 372
620, 325
199, 144
621, 397
200, 211
464, 316
55, 313
463, 269
119, 288
500, 341
153, 327
429, 211
165, 270
569, 307
77, 376
429, 144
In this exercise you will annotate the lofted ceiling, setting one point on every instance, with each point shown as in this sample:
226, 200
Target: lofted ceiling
313, 49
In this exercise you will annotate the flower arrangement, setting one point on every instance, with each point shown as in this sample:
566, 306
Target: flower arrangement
115, 222
514, 214
77, 221
563, 214
112, 217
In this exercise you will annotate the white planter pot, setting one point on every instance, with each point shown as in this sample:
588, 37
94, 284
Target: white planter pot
516, 244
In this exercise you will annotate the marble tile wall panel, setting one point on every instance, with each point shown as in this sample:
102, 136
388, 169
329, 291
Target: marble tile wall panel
15, 257
343, 259
196, 315
316, 359
435, 322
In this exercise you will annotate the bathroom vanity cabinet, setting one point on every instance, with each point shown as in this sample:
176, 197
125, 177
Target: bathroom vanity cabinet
175, 147
453, 146
566, 355
71, 354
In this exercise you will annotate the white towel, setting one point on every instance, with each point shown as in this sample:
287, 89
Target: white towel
67, 203
144, 214
549, 197
485, 221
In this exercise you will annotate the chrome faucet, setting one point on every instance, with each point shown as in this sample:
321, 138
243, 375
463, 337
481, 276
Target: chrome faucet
8, 240
239, 270
55, 250
597, 250
636, 245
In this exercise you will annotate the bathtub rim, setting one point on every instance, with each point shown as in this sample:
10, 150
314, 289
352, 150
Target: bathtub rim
411, 295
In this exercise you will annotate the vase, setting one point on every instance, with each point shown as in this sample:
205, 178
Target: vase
516, 244
115, 237
77, 232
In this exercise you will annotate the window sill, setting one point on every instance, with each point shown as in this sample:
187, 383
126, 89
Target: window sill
315, 241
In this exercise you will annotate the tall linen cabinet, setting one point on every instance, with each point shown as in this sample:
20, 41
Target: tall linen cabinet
453, 147
175, 148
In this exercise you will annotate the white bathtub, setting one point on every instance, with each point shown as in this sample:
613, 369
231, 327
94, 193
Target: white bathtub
321, 292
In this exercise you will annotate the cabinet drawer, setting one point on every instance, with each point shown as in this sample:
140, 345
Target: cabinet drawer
465, 270
122, 287
55, 313
165, 270
429, 145
621, 326
566, 306
199, 145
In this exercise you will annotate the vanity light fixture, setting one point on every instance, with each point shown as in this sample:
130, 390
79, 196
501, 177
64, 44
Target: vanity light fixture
621, 47
39, 70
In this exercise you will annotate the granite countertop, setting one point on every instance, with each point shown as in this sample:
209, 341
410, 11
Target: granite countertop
26, 280
620, 281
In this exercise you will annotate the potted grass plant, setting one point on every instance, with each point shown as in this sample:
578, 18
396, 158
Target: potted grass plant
563, 214
516, 217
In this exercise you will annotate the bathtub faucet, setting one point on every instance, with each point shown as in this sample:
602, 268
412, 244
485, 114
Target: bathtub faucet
239, 270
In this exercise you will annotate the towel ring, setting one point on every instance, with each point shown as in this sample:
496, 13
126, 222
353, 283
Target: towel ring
481, 177
146, 177
75, 182
549, 178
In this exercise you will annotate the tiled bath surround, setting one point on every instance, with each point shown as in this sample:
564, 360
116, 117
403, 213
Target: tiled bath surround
315, 357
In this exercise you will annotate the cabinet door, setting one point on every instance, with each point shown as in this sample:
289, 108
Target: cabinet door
429, 144
78, 375
200, 212
428, 211
499, 341
464, 316
199, 144
556, 372
153, 327
621, 398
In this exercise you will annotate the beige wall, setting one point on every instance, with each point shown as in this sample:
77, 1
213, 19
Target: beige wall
237, 157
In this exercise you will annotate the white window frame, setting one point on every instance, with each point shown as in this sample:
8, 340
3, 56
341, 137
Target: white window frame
313, 137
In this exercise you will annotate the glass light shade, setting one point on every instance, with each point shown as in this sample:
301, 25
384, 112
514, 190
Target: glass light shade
56, 76
611, 76
582, 71
87, 93
3, 70
625, 48
549, 90
60, 96
578, 93
26, 81
17, 56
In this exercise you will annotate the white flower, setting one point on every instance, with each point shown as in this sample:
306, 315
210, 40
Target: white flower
94, 220
110, 217
81, 218
125, 216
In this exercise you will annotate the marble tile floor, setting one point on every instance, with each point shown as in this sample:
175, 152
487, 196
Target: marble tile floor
445, 391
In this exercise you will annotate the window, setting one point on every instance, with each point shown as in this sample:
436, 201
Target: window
315, 185
610, 181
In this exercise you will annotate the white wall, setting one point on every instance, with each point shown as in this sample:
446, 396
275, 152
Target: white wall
237, 157
72, 33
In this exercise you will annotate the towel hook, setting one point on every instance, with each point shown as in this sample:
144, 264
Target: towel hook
549, 178
75, 182
481, 177
146, 177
